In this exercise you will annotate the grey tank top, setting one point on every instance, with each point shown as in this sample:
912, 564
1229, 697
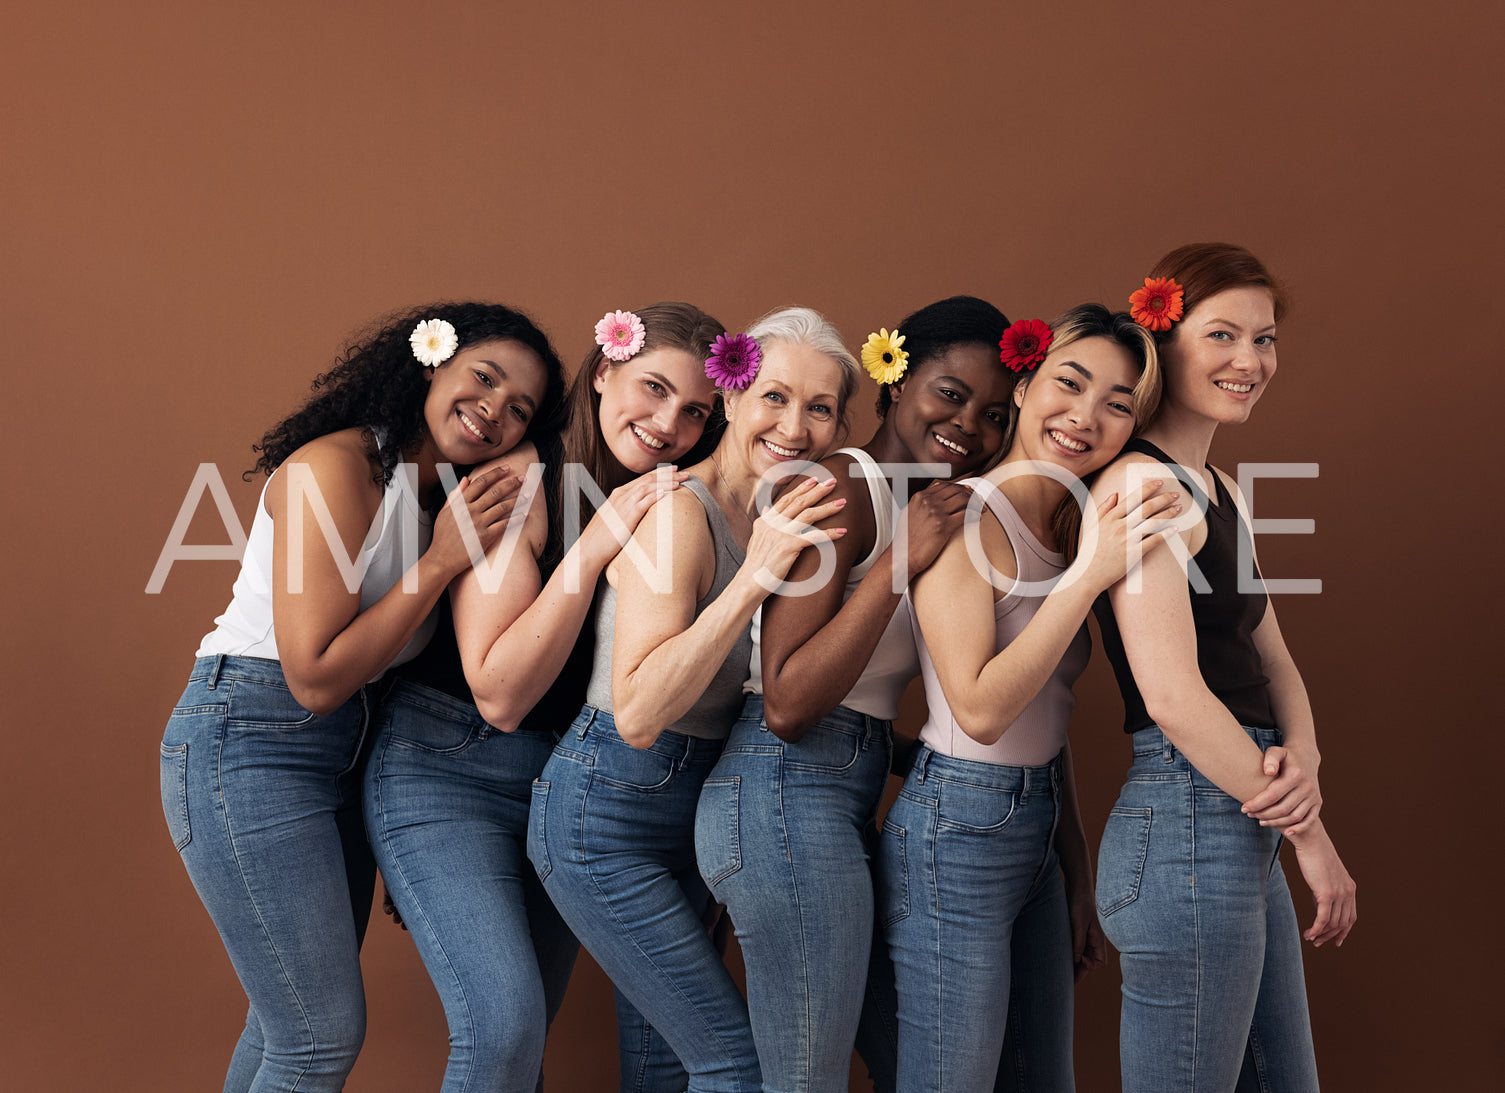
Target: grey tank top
714, 711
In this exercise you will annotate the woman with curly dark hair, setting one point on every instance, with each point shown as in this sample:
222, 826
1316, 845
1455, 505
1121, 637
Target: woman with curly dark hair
260, 780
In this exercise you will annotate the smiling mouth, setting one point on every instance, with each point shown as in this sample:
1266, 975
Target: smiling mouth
950, 445
1236, 388
647, 439
1069, 444
472, 428
782, 453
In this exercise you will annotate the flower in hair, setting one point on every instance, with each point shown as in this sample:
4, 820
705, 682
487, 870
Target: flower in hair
1157, 305
620, 334
1024, 345
734, 361
433, 342
883, 358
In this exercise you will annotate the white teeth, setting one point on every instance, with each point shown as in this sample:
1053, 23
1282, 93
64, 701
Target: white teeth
784, 453
474, 431
948, 445
1066, 442
646, 439
1239, 388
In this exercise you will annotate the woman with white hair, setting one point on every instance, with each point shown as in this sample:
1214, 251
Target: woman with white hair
613, 820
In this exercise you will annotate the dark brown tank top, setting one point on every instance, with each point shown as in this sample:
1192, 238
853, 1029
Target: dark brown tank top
1225, 617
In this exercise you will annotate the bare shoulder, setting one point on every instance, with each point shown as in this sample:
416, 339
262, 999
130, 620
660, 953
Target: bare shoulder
517, 460
340, 465
1117, 476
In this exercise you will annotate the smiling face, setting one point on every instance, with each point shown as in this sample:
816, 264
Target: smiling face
482, 399
1077, 409
653, 407
954, 408
1222, 355
790, 411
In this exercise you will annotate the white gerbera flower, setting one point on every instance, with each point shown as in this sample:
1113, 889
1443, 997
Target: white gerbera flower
434, 342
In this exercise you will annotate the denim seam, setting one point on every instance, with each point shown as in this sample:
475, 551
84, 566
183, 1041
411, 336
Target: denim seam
266, 936
799, 914
604, 900
1196, 920
422, 915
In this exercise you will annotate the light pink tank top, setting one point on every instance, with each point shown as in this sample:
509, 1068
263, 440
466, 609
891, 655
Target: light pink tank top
1039, 733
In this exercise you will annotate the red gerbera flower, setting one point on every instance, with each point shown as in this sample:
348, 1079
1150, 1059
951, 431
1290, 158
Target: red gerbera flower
1157, 305
1024, 345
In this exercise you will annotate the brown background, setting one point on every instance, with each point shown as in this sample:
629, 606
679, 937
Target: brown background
201, 201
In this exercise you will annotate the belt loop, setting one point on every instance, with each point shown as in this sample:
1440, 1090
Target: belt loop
1168, 751
583, 729
921, 763
219, 664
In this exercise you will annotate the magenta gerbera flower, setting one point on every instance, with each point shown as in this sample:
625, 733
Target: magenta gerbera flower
620, 334
733, 361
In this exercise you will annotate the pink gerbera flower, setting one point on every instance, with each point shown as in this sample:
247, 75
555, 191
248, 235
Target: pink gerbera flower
734, 361
620, 334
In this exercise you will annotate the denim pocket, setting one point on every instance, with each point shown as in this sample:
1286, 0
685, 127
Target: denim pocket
433, 731
978, 810
718, 843
267, 705
823, 749
538, 842
1120, 858
892, 894
620, 764
175, 793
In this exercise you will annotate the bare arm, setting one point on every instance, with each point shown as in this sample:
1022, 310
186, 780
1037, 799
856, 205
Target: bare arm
328, 647
815, 648
988, 688
513, 642
664, 656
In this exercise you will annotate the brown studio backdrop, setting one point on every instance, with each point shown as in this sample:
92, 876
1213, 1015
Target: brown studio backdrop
201, 203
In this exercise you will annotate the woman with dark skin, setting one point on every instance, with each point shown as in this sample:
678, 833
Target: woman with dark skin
261, 758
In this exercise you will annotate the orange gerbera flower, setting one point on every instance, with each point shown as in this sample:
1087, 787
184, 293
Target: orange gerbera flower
1157, 305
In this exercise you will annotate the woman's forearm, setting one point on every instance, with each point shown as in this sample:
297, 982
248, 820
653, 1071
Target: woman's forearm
817, 676
526, 657
989, 701
655, 692
323, 679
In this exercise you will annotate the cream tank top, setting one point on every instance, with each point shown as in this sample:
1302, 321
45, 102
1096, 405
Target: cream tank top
246, 630
1039, 733
895, 661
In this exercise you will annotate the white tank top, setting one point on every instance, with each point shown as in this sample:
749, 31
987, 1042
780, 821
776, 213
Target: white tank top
1039, 732
894, 662
245, 629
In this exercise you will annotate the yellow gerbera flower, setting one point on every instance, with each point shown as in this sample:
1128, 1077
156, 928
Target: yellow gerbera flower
883, 358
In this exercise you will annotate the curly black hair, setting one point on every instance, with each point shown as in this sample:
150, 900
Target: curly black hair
935, 328
377, 384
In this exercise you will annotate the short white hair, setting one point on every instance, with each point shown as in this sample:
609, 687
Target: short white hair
806, 326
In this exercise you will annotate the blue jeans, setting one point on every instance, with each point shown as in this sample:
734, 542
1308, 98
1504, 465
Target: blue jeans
262, 799
973, 909
612, 837
783, 835
446, 802
1191, 893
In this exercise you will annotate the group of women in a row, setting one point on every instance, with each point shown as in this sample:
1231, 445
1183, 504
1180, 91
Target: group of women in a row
539, 735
